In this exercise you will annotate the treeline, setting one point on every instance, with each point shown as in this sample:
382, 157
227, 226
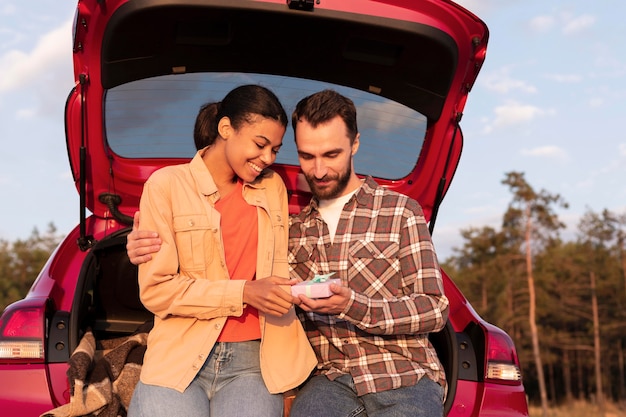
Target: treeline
563, 303
22, 260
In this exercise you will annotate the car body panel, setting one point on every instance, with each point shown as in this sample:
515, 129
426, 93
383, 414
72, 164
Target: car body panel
25, 390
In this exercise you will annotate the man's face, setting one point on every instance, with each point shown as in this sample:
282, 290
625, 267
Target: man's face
325, 156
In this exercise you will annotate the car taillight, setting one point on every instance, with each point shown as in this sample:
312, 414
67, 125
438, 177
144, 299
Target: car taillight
22, 332
502, 361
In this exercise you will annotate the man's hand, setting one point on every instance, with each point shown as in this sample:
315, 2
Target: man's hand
141, 244
334, 304
267, 295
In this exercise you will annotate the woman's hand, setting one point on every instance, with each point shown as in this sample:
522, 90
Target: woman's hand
269, 296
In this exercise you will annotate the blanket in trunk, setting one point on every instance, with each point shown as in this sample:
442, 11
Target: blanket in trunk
103, 374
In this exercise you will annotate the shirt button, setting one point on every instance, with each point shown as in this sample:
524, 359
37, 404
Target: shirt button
191, 223
233, 309
218, 326
345, 341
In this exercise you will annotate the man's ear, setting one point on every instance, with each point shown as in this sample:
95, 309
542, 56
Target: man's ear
355, 144
224, 128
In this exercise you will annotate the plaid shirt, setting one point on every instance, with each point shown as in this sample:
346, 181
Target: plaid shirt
382, 250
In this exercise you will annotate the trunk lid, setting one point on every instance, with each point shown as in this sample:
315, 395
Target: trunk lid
144, 67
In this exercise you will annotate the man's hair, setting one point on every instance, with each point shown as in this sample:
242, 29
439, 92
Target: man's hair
324, 106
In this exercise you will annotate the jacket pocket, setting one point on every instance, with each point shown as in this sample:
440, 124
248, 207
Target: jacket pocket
195, 241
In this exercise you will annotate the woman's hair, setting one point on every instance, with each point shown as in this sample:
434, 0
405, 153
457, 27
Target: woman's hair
241, 105
324, 106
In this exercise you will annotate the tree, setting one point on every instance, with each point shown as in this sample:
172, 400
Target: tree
481, 263
530, 215
490, 269
21, 261
564, 306
602, 235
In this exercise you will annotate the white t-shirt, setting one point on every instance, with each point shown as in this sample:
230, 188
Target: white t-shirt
331, 211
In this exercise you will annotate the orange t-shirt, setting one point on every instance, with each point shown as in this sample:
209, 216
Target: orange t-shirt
239, 224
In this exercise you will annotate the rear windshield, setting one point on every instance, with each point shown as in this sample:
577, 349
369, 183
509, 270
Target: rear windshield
154, 118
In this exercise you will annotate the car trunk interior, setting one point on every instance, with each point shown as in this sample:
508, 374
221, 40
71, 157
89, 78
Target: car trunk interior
107, 294
107, 302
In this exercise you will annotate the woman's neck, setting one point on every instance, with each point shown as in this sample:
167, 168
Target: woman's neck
223, 175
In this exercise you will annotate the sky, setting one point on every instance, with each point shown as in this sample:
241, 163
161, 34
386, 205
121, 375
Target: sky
548, 102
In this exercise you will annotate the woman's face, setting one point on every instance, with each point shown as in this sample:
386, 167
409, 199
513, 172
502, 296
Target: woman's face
253, 147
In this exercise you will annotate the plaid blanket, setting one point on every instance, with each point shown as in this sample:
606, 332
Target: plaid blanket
103, 375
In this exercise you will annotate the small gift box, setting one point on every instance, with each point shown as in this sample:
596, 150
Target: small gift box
318, 287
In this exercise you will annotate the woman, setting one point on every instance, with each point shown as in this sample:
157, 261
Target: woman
226, 340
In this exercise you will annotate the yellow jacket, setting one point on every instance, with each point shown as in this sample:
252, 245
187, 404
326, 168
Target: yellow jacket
187, 287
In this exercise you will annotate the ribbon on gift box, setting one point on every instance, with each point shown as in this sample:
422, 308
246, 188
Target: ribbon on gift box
321, 278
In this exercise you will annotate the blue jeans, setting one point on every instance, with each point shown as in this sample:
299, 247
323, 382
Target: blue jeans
229, 384
321, 397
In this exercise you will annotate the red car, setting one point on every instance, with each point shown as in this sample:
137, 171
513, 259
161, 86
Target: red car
142, 70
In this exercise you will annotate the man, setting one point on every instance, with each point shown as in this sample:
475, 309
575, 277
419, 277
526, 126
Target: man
371, 335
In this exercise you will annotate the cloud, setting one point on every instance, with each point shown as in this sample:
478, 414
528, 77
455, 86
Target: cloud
42, 76
610, 172
9, 37
501, 82
577, 24
549, 151
541, 23
485, 210
25, 114
8, 10
596, 102
52, 52
478, 7
608, 59
65, 175
587, 183
565, 78
514, 113
570, 24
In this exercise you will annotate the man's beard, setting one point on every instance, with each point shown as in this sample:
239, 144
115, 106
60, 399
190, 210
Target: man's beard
333, 190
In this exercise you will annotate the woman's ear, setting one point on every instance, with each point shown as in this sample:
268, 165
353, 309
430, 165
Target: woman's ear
224, 128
